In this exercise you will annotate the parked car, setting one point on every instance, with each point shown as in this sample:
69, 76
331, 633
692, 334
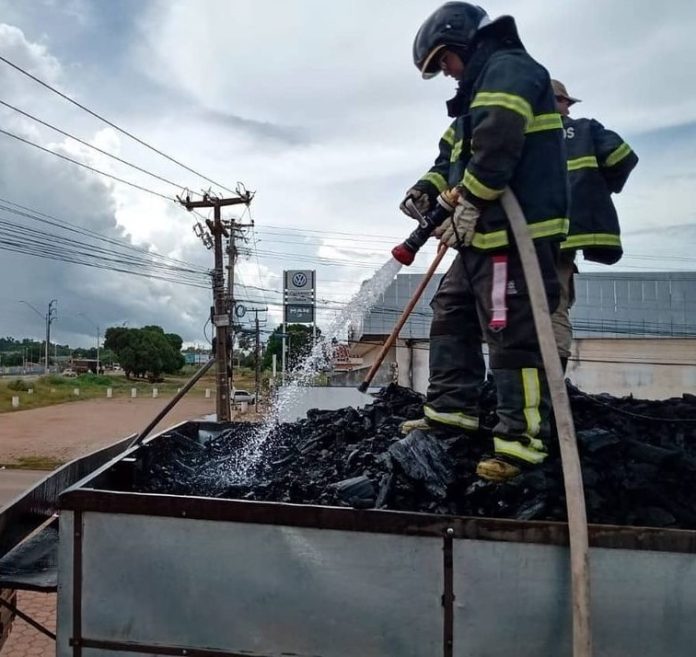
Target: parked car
239, 396
70, 373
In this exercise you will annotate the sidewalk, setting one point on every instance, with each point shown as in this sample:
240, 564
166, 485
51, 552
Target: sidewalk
24, 640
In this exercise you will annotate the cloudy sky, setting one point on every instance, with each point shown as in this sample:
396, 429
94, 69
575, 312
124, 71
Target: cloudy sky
314, 105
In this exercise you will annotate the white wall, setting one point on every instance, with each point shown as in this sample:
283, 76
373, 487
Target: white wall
651, 368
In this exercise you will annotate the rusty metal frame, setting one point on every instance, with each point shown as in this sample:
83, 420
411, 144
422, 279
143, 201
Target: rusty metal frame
78, 530
122, 646
375, 521
448, 594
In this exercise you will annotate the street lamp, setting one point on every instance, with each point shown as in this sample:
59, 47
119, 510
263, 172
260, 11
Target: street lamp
89, 319
49, 318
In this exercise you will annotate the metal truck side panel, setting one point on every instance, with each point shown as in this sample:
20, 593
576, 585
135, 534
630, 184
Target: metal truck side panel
514, 599
254, 589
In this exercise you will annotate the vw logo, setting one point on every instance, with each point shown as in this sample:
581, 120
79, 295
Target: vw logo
299, 279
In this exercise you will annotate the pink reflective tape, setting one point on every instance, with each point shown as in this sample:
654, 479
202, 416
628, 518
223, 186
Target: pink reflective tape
498, 292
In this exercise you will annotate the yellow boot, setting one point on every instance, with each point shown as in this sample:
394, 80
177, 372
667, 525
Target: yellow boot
510, 457
411, 425
497, 470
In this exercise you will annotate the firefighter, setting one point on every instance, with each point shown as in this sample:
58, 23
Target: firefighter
599, 163
506, 131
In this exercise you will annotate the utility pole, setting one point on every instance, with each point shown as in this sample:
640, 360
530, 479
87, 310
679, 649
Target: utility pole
257, 363
236, 232
50, 318
257, 354
222, 304
98, 335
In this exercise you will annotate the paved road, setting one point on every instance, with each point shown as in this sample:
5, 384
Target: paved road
13, 482
66, 431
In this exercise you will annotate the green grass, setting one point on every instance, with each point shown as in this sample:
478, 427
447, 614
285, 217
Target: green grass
54, 389
33, 463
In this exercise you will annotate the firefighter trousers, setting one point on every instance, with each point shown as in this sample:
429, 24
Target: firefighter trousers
483, 297
560, 319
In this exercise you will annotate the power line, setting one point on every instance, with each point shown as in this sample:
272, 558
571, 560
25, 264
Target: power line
88, 249
92, 146
17, 248
328, 232
82, 164
113, 125
33, 243
51, 220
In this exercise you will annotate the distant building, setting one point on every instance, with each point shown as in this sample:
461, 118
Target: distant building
84, 365
343, 360
634, 333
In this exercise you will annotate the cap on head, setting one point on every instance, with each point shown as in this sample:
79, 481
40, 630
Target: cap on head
453, 25
560, 90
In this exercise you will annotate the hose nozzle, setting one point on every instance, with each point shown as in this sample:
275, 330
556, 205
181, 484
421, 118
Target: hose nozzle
403, 254
406, 251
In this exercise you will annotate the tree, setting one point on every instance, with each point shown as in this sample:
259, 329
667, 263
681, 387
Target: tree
299, 344
11, 358
147, 351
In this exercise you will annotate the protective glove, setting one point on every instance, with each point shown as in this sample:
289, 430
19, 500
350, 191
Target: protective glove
420, 200
458, 231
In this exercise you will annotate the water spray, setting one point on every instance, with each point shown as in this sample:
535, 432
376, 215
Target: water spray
405, 253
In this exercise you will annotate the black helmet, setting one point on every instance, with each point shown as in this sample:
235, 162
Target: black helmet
454, 24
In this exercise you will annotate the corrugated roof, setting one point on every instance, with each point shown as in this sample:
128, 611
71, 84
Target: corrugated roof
607, 305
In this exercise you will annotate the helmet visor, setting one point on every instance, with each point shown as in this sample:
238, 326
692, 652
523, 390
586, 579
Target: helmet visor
431, 64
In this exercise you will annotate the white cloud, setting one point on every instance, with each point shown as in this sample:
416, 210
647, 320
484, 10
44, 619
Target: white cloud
39, 181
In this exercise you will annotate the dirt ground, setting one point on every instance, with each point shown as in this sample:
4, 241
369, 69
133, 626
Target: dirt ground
13, 482
66, 431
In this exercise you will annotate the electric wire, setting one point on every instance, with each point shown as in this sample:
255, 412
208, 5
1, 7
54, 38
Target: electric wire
5, 246
68, 227
30, 237
110, 123
41, 243
92, 146
85, 166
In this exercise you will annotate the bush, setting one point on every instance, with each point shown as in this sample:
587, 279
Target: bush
95, 379
55, 380
18, 385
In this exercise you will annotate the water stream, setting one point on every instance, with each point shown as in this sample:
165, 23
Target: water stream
304, 373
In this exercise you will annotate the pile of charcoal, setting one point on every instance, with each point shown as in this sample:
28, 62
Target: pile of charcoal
638, 462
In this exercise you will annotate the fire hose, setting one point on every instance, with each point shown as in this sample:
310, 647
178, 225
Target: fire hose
570, 460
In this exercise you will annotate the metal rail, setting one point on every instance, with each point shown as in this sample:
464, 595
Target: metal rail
172, 402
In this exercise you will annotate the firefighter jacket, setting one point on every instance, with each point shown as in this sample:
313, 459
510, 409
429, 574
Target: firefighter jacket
506, 132
599, 163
